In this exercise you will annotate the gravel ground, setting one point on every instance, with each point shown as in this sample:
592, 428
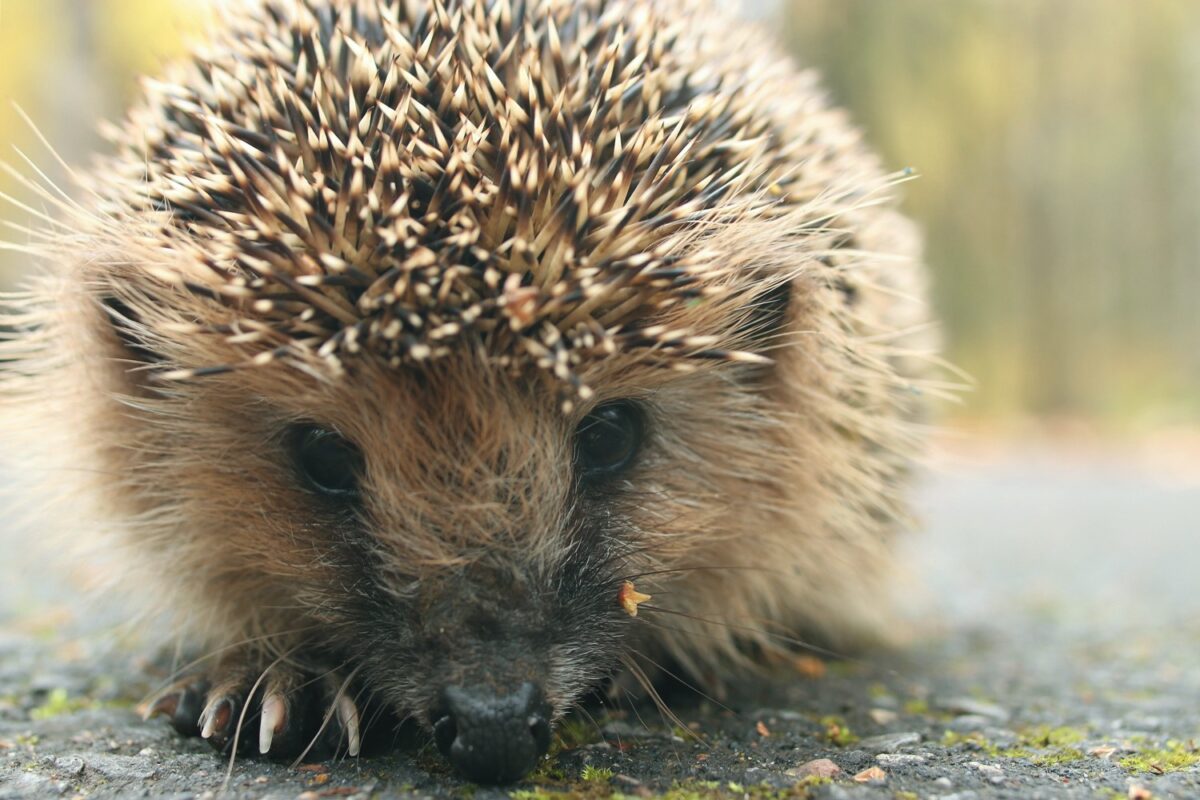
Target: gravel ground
1059, 657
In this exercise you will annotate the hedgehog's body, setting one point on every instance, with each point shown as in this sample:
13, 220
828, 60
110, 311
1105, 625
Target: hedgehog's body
401, 333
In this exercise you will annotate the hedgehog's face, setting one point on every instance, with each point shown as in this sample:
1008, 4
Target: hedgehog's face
468, 545
450, 535
481, 537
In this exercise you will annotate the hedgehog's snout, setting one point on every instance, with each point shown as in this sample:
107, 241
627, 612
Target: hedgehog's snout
490, 737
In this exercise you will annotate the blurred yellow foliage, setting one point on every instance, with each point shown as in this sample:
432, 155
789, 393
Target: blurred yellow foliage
69, 64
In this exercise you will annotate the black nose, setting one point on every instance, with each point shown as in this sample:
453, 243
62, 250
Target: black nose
492, 739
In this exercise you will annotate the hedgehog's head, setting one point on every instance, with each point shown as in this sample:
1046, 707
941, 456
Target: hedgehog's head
435, 330
458, 531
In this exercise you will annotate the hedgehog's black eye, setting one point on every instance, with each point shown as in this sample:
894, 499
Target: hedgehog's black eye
608, 439
331, 464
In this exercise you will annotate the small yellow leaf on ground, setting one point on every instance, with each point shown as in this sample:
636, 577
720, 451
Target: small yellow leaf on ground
871, 775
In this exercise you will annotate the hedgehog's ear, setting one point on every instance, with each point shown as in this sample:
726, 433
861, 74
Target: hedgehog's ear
130, 333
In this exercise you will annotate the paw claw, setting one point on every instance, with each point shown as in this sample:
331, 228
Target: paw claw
165, 705
292, 712
216, 720
181, 704
348, 716
274, 712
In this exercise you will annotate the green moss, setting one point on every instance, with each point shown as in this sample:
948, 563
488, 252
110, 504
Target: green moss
916, 707
682, 790
1009, 752
1045, 736
533, 794
58, 702
574, 732
594, 774
570, 734
711, 790
1174, 757
548, 772
1067, 755
1042, 745
27, 740
976, 741
813, 780
837, 731
907, 796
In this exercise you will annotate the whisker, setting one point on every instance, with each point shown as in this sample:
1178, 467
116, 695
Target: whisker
378, 712
663, 709
177, 672
328, 714
595, 723
633, 706
701, 568
791, 640
668, 672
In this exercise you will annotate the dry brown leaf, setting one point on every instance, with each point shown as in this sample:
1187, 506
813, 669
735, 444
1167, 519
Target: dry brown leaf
871, 775
810, 667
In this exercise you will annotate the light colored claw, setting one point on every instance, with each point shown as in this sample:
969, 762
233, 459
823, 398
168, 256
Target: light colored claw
208, 719
271, 722
348, 715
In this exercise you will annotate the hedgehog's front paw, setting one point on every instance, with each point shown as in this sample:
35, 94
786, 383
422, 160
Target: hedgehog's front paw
281, 712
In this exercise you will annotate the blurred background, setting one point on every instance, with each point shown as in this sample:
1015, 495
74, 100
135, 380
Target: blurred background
1057, 148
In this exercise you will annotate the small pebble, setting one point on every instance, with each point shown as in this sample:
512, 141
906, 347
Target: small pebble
882, 716
773, 714
969, 705
71, 765
991, 772
899, 759
817, 768
969, 723
889, 741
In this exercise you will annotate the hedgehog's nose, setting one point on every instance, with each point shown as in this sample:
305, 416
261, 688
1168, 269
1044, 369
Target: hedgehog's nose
492, 739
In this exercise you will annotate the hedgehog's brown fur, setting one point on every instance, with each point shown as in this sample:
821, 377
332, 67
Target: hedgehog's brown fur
448, 229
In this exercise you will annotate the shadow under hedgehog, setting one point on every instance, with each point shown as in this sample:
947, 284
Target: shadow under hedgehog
404, 348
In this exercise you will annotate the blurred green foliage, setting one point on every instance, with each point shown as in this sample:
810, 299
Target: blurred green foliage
1057, 144
1058, 148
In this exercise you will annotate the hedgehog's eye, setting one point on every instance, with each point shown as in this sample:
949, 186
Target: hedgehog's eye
330, 463
608, 439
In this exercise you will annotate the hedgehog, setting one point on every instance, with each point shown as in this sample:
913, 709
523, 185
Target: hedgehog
443, 360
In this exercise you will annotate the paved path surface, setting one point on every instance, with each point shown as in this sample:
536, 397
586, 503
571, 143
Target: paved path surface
1061, 658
